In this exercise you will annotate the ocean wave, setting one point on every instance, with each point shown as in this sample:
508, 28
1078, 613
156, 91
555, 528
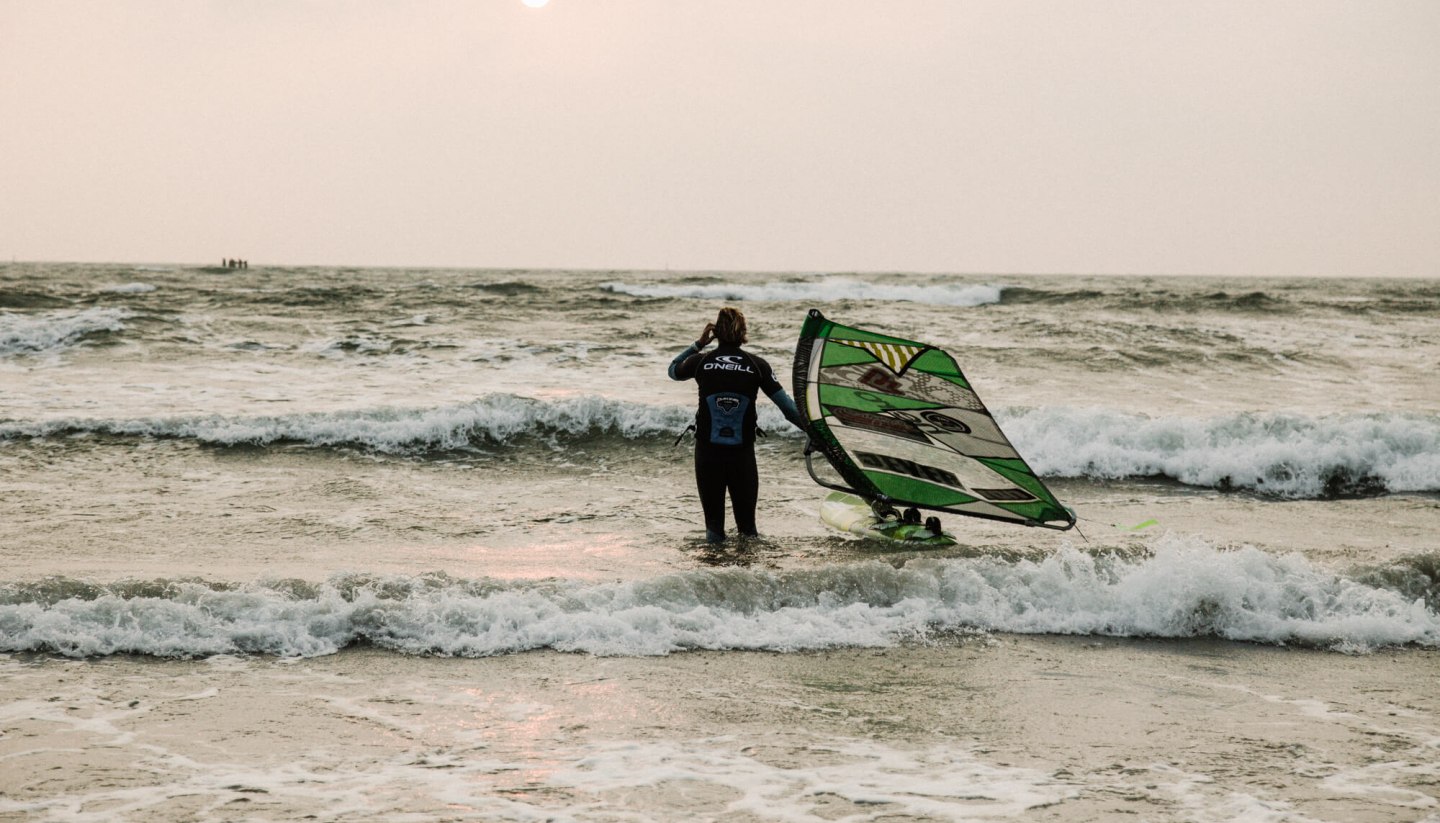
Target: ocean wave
1283, 455
127, 288
492, 419
362, 344
827, 290
1286, 456
15, 299
1182, 588
55, 330
1150, 299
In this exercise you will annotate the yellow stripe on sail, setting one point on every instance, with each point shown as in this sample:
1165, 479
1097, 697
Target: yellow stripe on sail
896, 357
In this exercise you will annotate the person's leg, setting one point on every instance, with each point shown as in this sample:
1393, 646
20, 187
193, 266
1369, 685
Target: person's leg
744, 483
710, 482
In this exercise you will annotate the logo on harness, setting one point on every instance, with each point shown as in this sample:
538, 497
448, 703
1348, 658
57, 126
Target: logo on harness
727, 418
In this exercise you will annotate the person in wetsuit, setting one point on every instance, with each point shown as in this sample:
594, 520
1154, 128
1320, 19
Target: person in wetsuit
729, 380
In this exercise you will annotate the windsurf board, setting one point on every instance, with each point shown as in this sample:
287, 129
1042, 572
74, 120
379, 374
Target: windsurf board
850, 513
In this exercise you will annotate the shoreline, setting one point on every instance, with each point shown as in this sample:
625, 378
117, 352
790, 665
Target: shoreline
1048, 727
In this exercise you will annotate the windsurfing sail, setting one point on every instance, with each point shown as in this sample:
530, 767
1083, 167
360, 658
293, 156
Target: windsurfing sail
902, 426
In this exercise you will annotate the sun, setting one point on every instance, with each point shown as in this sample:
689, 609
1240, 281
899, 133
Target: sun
535, 4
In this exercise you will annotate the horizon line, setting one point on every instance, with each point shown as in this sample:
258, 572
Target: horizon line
747, 271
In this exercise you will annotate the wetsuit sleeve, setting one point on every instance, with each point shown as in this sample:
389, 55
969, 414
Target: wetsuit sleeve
788, 407
684, 365
776, 393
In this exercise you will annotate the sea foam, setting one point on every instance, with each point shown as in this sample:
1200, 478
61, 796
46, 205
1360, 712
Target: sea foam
492, 419
1288, 456
1183, 588
573, 780
55, 330
824, 290
1285, 455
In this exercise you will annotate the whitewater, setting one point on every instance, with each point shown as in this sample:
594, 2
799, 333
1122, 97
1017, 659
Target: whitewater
415, 544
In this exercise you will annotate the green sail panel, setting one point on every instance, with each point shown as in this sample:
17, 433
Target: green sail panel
900, 423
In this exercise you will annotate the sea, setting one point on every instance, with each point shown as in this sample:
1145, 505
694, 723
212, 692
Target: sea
340, 543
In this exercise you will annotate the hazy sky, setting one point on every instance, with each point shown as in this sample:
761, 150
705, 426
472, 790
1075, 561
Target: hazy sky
1250, 137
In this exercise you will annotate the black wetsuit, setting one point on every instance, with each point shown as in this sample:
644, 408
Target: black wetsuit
729, 379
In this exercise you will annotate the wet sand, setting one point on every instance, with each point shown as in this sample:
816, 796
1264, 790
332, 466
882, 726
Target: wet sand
981, 727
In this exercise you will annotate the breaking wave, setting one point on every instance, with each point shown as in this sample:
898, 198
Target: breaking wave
1284, 455
22, 334
127, 288
492, 419
827, 290
1182, 588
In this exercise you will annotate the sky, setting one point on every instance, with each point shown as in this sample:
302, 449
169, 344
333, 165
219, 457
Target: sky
1113, 137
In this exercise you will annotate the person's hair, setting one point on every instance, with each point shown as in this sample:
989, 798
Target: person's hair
730, 327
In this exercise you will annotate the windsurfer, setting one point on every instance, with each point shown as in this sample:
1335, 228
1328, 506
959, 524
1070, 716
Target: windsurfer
729, 380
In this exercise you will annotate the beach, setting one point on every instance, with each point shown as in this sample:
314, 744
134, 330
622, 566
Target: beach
1037, 728
418, 544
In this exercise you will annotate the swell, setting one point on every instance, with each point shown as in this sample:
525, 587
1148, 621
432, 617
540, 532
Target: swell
1235, 297
1111, 345
1244, 301
1182, 588
824, 290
